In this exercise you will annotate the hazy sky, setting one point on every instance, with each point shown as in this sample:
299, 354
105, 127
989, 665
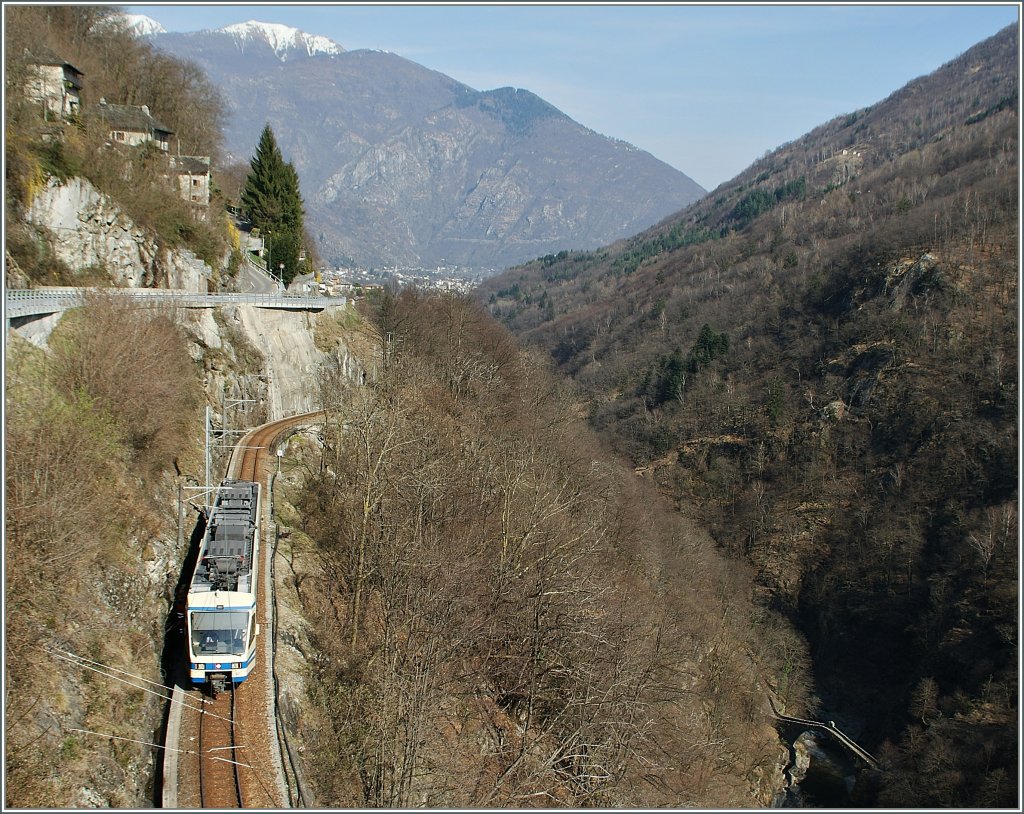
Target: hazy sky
705, 88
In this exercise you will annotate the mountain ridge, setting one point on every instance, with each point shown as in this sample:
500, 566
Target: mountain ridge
402, 165
142, 25
282, 39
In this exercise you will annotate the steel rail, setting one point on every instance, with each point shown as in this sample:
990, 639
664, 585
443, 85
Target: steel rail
219, 779
244, 462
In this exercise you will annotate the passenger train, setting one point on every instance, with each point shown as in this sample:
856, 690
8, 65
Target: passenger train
220, 609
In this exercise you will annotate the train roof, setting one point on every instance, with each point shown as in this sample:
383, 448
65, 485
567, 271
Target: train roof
226, 551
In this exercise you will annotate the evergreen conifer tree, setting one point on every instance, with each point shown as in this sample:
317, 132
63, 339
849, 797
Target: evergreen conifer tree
272, 201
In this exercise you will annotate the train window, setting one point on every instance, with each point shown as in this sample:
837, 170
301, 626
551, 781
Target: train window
218, 632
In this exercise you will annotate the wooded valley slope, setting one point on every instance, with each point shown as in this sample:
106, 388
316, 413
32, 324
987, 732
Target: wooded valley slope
819, 359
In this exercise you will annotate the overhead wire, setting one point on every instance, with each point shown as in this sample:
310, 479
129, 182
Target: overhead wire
163, 692
109, 671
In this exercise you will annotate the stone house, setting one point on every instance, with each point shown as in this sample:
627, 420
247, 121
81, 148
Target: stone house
193, 174
133, 125
53, 82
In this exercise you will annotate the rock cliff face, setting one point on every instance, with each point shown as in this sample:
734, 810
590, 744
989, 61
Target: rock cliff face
265, 355
88, 231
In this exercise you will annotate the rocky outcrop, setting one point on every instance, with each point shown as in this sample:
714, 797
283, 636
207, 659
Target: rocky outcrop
285, 338
88, 231
266, 355
820, 775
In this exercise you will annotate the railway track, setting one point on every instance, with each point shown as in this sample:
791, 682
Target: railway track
219, 758
248, 461
229, 755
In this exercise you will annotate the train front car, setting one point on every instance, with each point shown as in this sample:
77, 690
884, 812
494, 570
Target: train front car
221, 606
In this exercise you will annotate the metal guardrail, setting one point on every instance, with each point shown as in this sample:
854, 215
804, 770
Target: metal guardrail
37, 301
262, 271
831, 728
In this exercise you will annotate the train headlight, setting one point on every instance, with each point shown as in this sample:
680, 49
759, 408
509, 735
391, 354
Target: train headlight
236, 666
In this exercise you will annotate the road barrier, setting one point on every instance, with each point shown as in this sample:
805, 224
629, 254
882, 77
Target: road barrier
26, 302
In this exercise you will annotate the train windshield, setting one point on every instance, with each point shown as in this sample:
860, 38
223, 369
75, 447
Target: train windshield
219, 632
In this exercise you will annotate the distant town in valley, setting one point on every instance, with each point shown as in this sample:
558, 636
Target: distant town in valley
350, 281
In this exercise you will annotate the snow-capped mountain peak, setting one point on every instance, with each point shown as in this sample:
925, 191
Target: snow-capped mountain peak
143, 26
283, 38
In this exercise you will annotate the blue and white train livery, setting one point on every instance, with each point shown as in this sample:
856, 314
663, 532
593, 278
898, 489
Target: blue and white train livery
221, 605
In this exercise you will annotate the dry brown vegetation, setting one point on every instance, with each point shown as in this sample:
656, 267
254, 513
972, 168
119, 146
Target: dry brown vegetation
506, 617
90, 430
855, 439
118, 66
130, 366
122, 69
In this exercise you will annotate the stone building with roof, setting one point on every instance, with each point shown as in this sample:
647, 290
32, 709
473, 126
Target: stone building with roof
193, 175
53, 82
133, 125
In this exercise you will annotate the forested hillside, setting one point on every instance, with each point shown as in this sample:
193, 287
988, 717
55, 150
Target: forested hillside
119, 68
819, 359
502, 615
94, 431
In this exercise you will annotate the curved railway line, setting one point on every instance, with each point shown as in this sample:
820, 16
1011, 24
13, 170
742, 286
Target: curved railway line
223, 752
